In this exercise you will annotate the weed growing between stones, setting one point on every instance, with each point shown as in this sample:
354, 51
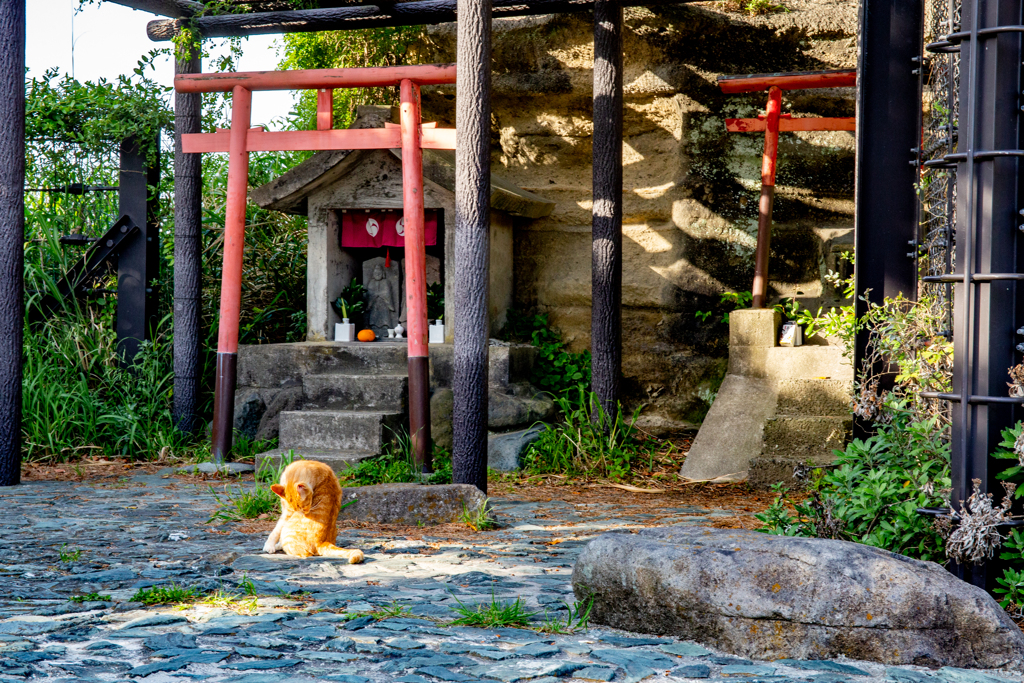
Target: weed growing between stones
479, 519
69, 555
577, 619
495, 615
90, 597
231, 601
244, 504
172, 594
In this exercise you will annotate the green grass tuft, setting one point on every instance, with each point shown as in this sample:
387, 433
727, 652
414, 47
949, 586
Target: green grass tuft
479, 519
165, 595
90, 597
69, 555
577, 619
495, 615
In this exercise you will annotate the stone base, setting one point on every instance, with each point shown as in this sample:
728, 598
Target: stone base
411, 504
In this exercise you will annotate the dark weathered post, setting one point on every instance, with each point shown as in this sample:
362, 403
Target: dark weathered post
188, 187
472, 242
138, 261
606, 230
12, 230
988, 301
888, 103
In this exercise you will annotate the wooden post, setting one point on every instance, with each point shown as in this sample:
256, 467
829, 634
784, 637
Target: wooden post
12, 230
188, 247
767, 201
231, 277
606, 230
415, 276
472, 242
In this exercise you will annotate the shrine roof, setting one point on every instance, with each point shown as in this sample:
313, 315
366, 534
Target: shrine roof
289, 192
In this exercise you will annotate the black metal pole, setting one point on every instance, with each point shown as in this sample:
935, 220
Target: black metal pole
472, 243
606, 230
988, 240
12, 233
888, 134
138, 261
188, 267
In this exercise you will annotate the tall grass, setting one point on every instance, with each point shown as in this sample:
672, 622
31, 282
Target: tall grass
589, 442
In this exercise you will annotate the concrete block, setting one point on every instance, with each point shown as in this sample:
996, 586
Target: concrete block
410, 503
505, 451
754, 327
804, 437
346, 430
814, 397
517, 409
732, 431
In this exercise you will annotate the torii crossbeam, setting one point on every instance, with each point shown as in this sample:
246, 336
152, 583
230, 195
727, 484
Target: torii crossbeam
411, 137
772, 122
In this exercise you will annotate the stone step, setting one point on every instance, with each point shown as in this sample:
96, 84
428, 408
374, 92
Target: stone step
800, 438
765, 471
813, 397
338, 460
277, 365
352, 392
347, 430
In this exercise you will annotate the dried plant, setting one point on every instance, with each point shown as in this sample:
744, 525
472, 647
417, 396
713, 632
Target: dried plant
867, 405
1017, 385
977, 535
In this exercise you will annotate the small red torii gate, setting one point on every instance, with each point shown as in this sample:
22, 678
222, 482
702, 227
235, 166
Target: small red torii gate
772, 122
411, 136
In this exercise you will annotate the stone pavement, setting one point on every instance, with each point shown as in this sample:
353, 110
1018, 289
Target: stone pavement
148, 530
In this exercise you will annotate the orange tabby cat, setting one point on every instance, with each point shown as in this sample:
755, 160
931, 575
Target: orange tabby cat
310, 501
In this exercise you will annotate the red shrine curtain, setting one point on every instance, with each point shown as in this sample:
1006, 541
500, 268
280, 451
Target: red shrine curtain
382, 228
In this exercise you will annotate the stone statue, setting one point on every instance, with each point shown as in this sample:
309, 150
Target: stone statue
383, 295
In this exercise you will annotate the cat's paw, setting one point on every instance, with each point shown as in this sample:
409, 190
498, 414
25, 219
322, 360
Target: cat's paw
270, 547
355, 557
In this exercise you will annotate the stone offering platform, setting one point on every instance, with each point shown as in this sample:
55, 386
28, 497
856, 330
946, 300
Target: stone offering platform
150, 530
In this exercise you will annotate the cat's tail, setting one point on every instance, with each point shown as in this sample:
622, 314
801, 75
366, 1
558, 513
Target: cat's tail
331, 550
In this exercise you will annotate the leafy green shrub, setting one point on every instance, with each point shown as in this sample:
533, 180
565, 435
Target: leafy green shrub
556, 370
873, 493
588, 443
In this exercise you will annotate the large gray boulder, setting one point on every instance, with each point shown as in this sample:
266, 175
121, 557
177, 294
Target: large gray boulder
773, 597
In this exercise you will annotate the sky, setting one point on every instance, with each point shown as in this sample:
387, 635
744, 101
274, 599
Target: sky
105, 40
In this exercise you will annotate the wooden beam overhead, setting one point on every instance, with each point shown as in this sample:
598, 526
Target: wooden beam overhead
414, 13
165, 8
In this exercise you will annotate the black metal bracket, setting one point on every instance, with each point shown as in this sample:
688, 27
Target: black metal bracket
94, 264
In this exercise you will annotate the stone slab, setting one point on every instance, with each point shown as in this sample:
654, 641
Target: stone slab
733, 431
410, 503
772, 597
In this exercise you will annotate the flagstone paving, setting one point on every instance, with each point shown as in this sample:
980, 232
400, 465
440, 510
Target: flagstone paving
150, 530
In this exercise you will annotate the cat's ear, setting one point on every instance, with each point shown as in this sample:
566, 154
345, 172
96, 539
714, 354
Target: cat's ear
278, 489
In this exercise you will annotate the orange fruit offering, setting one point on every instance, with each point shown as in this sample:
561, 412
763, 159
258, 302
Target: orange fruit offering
366, 335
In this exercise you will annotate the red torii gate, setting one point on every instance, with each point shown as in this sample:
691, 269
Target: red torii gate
411, 137
772, 122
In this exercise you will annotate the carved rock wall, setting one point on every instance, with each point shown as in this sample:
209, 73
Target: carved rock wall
690, 188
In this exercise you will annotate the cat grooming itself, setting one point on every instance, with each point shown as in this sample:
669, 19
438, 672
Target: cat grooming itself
310, 502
